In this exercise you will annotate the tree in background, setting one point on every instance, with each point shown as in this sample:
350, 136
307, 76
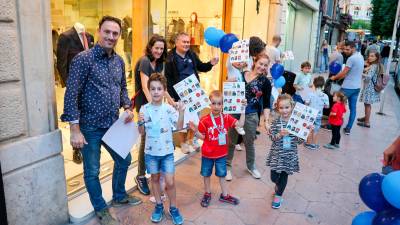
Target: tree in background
361, 24
383, 16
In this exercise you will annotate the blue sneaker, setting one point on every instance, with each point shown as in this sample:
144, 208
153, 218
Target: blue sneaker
176, 216
158, 213
276, 204
310, 146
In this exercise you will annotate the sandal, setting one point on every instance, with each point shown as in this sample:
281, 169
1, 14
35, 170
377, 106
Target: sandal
363, 124
362, 119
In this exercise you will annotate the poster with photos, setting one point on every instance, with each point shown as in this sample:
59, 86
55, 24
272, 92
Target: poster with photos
191, 94
239, 51
234, 93
301, 120
288, 55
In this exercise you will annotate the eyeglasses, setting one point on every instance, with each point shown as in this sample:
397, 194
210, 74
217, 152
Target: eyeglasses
216, 103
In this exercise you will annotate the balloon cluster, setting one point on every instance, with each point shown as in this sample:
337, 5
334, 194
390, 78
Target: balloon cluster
276, 73
381, 194
217, 38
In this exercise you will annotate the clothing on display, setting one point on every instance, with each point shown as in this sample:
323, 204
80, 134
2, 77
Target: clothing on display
126, 36
196, 33
70, 43
174, 27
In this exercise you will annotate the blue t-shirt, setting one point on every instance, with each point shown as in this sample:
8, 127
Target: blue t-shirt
185, 66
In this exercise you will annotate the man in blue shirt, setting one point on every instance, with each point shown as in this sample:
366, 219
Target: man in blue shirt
96, 90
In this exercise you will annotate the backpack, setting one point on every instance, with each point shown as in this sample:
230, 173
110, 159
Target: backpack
381, 81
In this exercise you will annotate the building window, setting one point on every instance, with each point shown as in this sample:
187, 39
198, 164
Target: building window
369, 13
356, 11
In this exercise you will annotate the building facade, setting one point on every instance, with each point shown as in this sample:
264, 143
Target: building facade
42, 183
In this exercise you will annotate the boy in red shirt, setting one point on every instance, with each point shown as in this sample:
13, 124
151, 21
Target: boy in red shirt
336, 119
213, 129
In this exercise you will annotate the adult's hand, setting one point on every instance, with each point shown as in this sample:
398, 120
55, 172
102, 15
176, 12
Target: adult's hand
130, 116
77, 140
239, 65
390, 151
214, 60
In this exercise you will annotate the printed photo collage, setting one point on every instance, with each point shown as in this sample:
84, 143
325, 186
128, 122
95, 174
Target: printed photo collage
239, 51
191, 94
301, 120
234, 93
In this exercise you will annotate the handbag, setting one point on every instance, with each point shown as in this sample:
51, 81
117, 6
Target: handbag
381, 81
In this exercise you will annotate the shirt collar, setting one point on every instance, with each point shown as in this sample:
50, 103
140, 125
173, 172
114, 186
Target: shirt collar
100, 52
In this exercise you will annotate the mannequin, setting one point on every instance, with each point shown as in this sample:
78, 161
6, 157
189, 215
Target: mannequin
127, 37
70, 43
196, 33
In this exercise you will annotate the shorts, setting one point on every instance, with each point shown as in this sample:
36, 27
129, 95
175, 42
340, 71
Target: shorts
207, 165
159, 164
317, 124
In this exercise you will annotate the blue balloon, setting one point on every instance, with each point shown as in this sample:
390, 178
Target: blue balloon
227, 41
387, 217
371, 193
391, 188
277, 70
335, 68
213, 35
280, 82
364, 218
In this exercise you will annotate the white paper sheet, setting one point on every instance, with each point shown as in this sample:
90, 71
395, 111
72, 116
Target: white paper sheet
301, 120
121, 137
234, 93
191, 94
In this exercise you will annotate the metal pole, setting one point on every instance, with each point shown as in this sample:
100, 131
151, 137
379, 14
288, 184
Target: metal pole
387, 69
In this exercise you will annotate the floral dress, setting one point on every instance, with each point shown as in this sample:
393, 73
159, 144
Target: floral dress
368, 93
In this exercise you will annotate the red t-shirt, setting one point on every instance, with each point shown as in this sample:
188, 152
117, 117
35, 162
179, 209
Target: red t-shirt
340, 110
211, 149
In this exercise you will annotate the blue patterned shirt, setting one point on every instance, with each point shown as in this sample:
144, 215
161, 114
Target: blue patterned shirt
96, 88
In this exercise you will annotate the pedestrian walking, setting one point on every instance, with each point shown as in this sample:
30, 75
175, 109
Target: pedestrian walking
324, 57
213, 129
317, 100
352, 74
181, 63
283, 157
96, 90
151, 62
385, 54
156, 122
369, 95
336, 119
258, 94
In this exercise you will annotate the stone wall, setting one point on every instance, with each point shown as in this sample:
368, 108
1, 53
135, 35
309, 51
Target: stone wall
30, 144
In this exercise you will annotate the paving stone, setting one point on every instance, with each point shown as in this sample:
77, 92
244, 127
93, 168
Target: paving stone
293, 202
218, 217
254, 211
326, 212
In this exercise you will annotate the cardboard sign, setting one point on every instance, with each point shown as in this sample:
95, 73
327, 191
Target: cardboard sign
191, 94
239, 51
234, 93
301, 120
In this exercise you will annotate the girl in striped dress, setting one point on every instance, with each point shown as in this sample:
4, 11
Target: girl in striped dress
283, 158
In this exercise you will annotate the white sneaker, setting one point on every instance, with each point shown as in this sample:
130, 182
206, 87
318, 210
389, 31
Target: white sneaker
240, 130
153, 199
185, 148
228, 176
191, 148
255, 173
238, 147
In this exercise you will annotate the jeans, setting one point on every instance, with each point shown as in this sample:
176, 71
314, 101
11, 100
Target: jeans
207, 165
160, 164
352, 96
324, 63
91, 168
250, 127
280, 180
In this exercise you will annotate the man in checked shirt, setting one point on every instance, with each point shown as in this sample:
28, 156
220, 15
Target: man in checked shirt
96, 90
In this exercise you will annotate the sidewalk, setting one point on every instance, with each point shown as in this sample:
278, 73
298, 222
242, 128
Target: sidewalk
325, 192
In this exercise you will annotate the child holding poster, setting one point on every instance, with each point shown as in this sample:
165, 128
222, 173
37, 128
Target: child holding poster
156, 121
213, 129
283, 158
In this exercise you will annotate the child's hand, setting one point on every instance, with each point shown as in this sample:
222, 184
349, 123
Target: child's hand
180, 107
284, 132
312, 127
244, 102
193, 126
141, 117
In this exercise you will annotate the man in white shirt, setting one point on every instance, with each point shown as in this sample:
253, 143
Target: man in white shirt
352, 74
272, 50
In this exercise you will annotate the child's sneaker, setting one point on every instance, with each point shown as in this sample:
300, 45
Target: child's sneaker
310, 146
175, 215
185, 148
238, 147
205, 201
153, 199
329, 146
277, 202
240, 130
336, 145
228, 176
229, 199
158, 213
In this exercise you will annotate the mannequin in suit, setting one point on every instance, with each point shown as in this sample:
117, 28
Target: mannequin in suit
70, 43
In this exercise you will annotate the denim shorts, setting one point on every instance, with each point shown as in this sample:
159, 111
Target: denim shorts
317, 124
159, 164
207, 165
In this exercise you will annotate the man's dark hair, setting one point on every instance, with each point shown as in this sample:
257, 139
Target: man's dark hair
256, 46
319, 82
110, 18
374, 41
156, 38
350, 43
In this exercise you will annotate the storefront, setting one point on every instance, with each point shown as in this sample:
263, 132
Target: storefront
141, 19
